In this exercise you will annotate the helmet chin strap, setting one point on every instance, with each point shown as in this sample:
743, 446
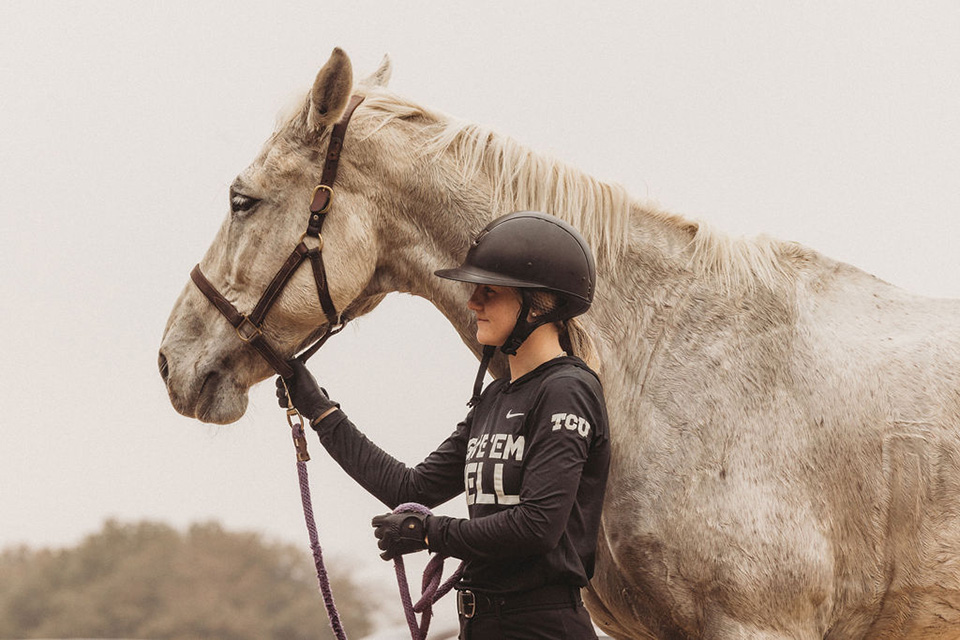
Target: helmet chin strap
522, 328
488, 351
521, 331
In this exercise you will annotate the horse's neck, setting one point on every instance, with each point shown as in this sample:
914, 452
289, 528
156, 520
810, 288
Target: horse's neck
635, 285
638, 290
432, 208
423, 233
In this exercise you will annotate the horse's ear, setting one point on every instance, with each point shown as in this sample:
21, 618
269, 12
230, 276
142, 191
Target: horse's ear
381, 76
331, 91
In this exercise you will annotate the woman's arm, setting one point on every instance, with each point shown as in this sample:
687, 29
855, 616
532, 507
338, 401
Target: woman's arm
432, 482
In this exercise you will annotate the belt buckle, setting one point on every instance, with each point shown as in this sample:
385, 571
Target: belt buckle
466, 603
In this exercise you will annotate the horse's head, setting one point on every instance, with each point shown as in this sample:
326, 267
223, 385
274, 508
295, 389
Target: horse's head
207, 368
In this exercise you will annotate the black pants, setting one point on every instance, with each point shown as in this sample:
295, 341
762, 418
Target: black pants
546, 622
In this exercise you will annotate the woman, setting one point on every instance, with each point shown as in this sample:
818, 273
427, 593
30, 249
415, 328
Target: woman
532, 454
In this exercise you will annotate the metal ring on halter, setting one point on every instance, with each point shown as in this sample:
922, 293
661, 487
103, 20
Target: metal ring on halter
319, 237
329, 189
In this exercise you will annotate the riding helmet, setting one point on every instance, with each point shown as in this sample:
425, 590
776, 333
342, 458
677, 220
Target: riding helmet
532, 250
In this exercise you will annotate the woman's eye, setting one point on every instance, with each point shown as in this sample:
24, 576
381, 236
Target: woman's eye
240, 202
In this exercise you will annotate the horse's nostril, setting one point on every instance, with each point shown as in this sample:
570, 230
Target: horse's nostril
164, 369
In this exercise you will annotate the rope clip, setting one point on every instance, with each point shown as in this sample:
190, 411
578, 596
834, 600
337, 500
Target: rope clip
299, 439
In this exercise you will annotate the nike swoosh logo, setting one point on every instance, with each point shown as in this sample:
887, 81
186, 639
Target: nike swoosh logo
511, 414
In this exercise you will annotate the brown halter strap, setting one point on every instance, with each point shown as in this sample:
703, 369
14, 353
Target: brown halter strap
250, 327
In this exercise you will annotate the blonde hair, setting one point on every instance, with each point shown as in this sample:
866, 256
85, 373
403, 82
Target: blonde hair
574, 338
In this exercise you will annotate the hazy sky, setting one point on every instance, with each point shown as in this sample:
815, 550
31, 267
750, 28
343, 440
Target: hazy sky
122, 124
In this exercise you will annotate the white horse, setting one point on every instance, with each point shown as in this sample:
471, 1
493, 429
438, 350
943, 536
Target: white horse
786, 427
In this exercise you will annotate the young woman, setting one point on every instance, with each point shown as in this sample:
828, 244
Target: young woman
532, 454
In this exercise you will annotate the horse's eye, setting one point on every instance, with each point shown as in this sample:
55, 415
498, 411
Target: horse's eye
240, 202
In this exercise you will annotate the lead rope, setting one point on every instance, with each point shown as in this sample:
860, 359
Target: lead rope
431, 589
295, 420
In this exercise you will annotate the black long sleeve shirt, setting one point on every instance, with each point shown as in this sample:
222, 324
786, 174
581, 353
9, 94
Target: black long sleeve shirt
532, 458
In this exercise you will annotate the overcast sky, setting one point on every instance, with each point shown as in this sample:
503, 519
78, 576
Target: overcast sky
122, 125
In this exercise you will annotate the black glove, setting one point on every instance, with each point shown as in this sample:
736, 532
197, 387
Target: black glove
307, 396
400, 533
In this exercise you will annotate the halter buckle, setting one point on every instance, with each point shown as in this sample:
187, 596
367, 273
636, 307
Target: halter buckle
315, 208
247, 331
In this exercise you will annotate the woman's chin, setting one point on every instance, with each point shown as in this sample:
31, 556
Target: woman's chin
484, 335
486, 341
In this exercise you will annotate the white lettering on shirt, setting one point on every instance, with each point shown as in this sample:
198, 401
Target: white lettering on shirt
473, 483
482, 445
470, 480
502, 498
571, 422
503, 446
496, 445
514, 448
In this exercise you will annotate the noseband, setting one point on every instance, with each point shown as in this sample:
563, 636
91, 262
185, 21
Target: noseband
250, 327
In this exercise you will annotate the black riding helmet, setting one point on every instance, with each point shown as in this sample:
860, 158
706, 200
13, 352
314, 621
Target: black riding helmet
530, 251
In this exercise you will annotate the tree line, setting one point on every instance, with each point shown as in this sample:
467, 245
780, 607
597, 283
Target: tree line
148, 580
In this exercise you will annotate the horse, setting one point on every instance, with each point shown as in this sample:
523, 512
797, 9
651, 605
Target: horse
784, 426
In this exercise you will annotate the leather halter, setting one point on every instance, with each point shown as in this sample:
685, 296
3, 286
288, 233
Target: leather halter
250, 327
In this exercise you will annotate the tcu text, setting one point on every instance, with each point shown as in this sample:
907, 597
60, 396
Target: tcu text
570, 422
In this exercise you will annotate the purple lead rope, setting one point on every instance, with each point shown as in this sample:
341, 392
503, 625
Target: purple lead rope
323, 580
431, 588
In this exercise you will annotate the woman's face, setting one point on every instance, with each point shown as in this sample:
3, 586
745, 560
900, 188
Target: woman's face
497, 309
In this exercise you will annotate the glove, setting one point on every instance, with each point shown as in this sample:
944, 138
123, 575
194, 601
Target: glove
307, 396
400, 533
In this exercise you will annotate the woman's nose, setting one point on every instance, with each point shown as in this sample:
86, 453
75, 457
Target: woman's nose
473, 303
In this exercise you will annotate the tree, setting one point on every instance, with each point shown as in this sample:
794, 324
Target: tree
147, 580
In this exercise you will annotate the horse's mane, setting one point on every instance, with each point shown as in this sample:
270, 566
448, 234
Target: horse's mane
528, 180
523, 179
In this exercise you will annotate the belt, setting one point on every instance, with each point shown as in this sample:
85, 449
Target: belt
474, 603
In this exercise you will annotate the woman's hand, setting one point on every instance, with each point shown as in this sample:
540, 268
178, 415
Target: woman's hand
400, 533
306, 395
